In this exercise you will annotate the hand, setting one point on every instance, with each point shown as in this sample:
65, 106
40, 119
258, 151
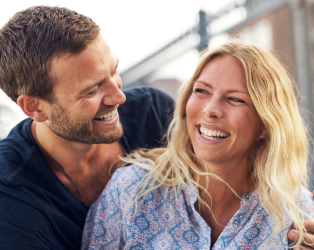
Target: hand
307, 239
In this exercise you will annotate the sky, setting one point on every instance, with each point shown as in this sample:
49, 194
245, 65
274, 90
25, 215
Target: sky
133, 29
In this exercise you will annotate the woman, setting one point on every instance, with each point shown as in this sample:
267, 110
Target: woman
231, 176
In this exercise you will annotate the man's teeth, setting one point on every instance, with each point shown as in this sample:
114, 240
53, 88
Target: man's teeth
108, 116
210, 134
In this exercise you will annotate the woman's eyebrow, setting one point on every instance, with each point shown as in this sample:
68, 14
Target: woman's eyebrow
205, 83
238, 91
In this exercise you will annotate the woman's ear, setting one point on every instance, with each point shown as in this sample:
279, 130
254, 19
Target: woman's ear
31, 107
264, 132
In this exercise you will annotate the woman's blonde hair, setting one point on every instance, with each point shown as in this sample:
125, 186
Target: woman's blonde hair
279, 163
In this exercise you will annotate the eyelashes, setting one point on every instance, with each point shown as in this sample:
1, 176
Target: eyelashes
236, 100
93, 92
200, 91
231, 99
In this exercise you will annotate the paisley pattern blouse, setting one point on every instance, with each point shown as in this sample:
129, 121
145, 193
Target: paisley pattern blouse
166, 219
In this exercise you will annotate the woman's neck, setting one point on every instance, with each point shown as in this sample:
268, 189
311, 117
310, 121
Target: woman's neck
234, 176
223, 196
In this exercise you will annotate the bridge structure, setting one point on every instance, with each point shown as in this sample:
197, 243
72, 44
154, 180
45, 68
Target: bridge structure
242, 11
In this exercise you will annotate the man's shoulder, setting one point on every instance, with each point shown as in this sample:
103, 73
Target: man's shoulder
145, 117
19, 135
15, 151
144, 98
144, 92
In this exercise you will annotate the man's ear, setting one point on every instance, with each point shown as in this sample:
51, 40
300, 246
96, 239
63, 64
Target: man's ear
31, 107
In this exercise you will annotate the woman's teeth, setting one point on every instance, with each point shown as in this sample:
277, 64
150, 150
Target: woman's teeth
108, 116
212, 134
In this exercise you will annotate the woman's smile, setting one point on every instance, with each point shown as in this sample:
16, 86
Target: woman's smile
211, 134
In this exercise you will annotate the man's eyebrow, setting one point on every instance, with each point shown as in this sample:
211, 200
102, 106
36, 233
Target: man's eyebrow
229, 91
98, 82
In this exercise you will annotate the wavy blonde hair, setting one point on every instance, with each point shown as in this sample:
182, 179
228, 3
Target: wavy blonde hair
279, 163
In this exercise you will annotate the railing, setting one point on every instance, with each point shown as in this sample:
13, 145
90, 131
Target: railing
198, 36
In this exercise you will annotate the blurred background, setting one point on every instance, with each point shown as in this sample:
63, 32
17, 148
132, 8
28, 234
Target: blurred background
158, 42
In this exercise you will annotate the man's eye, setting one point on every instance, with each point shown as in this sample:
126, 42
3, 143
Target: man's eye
93, 92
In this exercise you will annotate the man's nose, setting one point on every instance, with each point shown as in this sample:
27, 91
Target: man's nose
113, 94
213, 108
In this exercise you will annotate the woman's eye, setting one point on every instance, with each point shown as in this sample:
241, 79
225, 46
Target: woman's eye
202, 91
236, 100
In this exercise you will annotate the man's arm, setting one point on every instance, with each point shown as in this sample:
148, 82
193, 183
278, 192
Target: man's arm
308, 239
22, 226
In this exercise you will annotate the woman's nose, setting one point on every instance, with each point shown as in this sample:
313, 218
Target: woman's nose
213, 108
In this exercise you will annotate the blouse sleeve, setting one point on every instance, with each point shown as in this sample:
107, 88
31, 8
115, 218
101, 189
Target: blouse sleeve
103, 227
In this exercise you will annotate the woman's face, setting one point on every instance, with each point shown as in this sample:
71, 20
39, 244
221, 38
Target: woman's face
222, 121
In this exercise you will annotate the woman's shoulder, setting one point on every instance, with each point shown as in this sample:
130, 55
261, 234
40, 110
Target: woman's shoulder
128, 175
306, 195
126, 178
122, 186
307, 201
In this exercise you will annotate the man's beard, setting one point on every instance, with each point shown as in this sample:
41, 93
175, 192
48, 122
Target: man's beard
80, 131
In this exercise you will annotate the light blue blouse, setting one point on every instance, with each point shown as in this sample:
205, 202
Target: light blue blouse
165, 222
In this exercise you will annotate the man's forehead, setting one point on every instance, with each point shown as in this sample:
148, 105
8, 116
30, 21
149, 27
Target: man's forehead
96, 53
99, 42
77, 72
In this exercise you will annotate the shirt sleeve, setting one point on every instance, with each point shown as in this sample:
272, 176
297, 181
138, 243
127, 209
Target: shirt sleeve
22, 226
103, 227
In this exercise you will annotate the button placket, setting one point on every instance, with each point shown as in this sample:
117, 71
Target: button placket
219, 246
236, 221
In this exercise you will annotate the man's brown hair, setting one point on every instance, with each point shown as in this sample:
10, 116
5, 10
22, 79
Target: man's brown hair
31, 39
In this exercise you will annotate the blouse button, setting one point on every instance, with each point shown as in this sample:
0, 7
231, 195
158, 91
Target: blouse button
247, 196
236, 221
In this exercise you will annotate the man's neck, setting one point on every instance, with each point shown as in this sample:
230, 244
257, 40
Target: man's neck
88, 166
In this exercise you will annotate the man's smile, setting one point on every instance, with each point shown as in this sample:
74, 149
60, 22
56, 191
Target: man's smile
106, 117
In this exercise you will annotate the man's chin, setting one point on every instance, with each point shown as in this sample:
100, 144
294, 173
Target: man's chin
100, 139
91, 137
107, 139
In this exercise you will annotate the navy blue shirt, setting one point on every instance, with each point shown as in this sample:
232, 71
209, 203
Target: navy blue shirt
36, 210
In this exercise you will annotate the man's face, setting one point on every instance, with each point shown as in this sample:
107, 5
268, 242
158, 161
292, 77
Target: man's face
86, 96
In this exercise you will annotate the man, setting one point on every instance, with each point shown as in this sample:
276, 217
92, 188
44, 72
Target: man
59, 69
